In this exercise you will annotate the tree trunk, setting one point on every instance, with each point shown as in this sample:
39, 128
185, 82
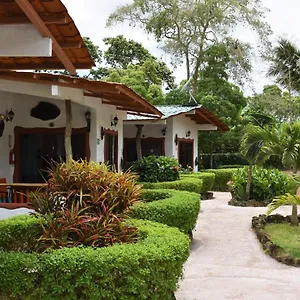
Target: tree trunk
294, 218
68, 131
138, 142
249, 182
188, 70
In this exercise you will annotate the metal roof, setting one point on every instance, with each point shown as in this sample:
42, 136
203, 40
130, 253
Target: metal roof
200, 115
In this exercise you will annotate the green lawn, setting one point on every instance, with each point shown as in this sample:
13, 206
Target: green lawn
285, 236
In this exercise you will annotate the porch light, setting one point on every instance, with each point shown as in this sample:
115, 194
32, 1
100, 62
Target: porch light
114, 121
88, 119
188, 134
164, 131
8, 116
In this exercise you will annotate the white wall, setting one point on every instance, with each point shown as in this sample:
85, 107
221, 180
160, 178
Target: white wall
23, 103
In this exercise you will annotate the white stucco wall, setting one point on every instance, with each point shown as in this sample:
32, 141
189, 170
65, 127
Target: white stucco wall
22, 97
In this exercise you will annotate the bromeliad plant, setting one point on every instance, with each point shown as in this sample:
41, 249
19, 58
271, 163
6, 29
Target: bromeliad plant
85, 204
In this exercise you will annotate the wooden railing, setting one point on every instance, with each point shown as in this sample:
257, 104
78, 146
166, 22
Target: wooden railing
17, 195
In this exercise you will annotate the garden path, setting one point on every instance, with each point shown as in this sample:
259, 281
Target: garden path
227, 261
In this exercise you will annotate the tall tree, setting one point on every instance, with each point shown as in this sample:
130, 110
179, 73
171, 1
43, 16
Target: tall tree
186, 29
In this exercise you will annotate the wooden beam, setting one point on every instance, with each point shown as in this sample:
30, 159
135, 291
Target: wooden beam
23, 19
137, 98
70, 45
39, 66
45, 32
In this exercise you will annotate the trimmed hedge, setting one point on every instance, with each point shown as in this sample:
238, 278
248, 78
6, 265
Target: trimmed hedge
149, 269
180, 209
207, 178
187, 184
221, 179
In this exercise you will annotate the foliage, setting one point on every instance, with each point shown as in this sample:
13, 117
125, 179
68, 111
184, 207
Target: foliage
222, 177
282, 141
148, 269
157, 169
216, 160
186, 184
286, 237
85, 204
187, 29
267, 184
180, 209
19, 233
284, 64
208, 179
231, 166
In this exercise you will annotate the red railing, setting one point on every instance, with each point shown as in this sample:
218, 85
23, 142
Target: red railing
17, 195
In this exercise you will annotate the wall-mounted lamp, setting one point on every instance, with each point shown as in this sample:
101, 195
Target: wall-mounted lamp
176, 139
88, 118
188, 134
164, 131
102, 133
114, 121
8, 116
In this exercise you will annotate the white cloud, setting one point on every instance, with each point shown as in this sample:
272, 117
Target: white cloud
90, 17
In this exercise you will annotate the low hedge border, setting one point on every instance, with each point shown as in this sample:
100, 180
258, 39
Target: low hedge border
149, 269
180, 209
221, 179
258, 225
187, 184
207, 178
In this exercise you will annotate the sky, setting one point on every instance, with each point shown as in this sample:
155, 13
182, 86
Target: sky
90, 17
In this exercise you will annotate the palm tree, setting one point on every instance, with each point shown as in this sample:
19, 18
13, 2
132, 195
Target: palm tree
285, 68
283, 141
286, 199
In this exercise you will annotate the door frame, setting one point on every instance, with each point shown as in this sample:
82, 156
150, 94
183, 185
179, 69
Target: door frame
19, 131
114, 133
184, 140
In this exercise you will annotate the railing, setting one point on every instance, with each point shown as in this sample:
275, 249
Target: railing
17, 195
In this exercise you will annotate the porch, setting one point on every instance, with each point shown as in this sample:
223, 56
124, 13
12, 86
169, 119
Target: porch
17, 195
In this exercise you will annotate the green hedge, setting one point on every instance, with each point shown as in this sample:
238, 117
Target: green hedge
180, 209
149, 269
186, 184
207, 178
221, 179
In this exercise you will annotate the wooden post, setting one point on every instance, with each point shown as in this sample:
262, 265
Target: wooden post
138, 142
68, 132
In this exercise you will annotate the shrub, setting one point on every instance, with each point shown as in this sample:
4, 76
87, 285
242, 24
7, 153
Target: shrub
208, 179
186, 184
157, 169
231, 166
266, 184
85, 204
222, 177
180, 209
148, 269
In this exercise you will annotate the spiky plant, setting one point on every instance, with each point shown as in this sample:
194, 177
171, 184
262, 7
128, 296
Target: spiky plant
286, 199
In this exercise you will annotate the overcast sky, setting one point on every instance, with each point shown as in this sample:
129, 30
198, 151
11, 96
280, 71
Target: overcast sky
90, 17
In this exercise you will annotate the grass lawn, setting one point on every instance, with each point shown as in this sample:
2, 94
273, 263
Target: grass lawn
285, 236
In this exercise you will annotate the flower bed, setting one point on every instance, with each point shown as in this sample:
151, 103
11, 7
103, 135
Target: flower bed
148, 269
258, 224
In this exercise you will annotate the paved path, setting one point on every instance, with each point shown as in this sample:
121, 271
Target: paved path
7, 213
227, 261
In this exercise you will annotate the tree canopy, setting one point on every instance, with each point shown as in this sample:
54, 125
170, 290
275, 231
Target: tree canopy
187, 29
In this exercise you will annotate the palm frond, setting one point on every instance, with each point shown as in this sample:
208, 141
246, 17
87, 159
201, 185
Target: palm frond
286, 199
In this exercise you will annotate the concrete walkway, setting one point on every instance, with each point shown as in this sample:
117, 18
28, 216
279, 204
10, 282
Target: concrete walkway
227, 261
